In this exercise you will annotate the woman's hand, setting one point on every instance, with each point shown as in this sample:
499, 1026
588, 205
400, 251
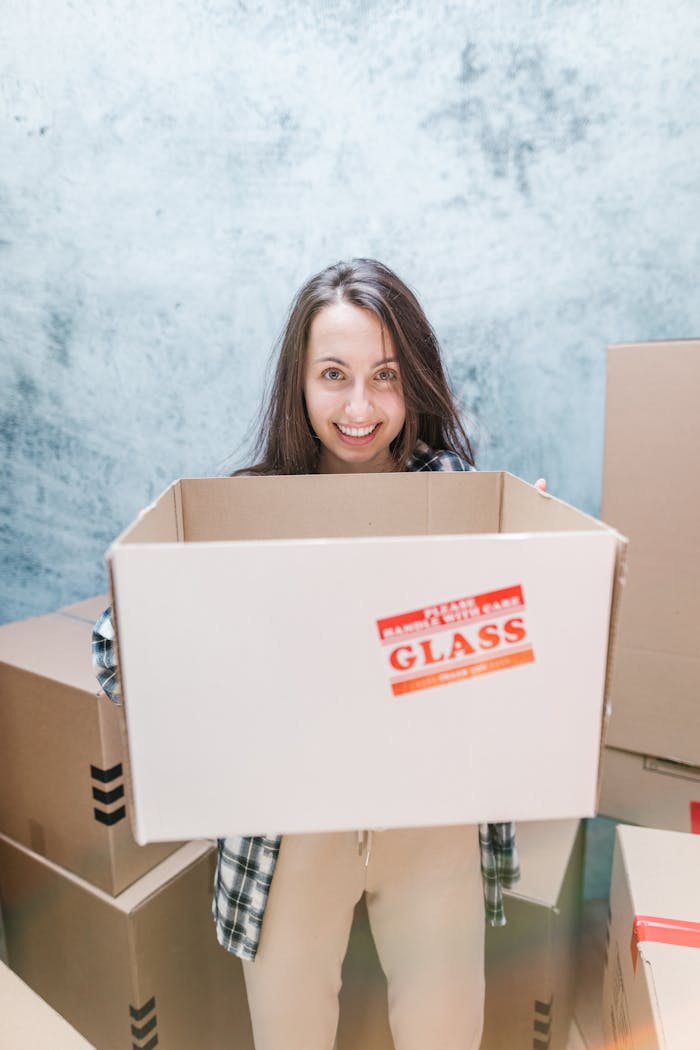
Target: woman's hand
541, 484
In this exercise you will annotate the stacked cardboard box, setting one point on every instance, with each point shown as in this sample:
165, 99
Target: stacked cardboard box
63, 775
530, 964
136, 970
654, 792
652, 970
651, 766
651, 492
117, 937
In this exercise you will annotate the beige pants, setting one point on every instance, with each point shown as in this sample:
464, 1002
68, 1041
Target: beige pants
425, 905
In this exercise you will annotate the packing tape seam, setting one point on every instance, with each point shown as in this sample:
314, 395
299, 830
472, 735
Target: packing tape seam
678, 932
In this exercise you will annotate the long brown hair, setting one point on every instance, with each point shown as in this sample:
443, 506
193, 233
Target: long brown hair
286, 443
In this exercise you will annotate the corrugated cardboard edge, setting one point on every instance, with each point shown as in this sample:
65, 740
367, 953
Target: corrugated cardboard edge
139, 892
176, 490
619, 579
128, 785
501, 496
178, 494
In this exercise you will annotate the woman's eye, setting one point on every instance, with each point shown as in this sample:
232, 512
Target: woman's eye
386, 375
332, 373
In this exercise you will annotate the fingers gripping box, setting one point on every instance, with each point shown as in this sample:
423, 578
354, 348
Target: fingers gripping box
330, 652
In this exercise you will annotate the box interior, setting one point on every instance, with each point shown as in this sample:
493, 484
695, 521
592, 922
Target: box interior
344, 506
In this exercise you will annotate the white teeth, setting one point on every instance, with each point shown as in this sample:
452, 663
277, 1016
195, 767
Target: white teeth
356, 432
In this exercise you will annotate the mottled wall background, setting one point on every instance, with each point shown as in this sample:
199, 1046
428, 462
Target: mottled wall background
170, 172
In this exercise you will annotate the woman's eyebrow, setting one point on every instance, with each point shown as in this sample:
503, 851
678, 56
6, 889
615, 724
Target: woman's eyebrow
338, 361
333, 360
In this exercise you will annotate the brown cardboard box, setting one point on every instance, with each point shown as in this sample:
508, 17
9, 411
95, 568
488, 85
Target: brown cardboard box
651, 492
652, 973
416, 607
531, 963
88, 609
62, 775
653, 792
133, 971
27, 1021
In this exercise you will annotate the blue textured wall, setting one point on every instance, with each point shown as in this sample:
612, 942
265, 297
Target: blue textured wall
170, 172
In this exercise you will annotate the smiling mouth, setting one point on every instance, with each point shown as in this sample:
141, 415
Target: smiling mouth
357, 435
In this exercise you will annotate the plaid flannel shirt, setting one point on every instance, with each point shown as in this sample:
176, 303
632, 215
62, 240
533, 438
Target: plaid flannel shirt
246, 863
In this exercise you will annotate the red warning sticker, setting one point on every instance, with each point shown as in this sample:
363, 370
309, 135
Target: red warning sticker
695, 817
456, 640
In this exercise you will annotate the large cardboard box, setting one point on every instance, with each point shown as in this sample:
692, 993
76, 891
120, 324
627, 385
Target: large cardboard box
531, 963
652, 973
63, 770
653, 792
279, 632
133, 971
27, 1021
651, 492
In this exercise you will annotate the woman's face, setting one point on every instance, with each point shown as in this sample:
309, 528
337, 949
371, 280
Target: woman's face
352, 389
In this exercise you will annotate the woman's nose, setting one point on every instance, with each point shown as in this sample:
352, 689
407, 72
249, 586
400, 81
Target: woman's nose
359, 405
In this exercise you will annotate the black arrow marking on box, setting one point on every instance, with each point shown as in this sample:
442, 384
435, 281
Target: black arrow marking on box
144, 1030
107, 797
110, 819
542, 1027
146, 1046
138, 1014
107, 776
